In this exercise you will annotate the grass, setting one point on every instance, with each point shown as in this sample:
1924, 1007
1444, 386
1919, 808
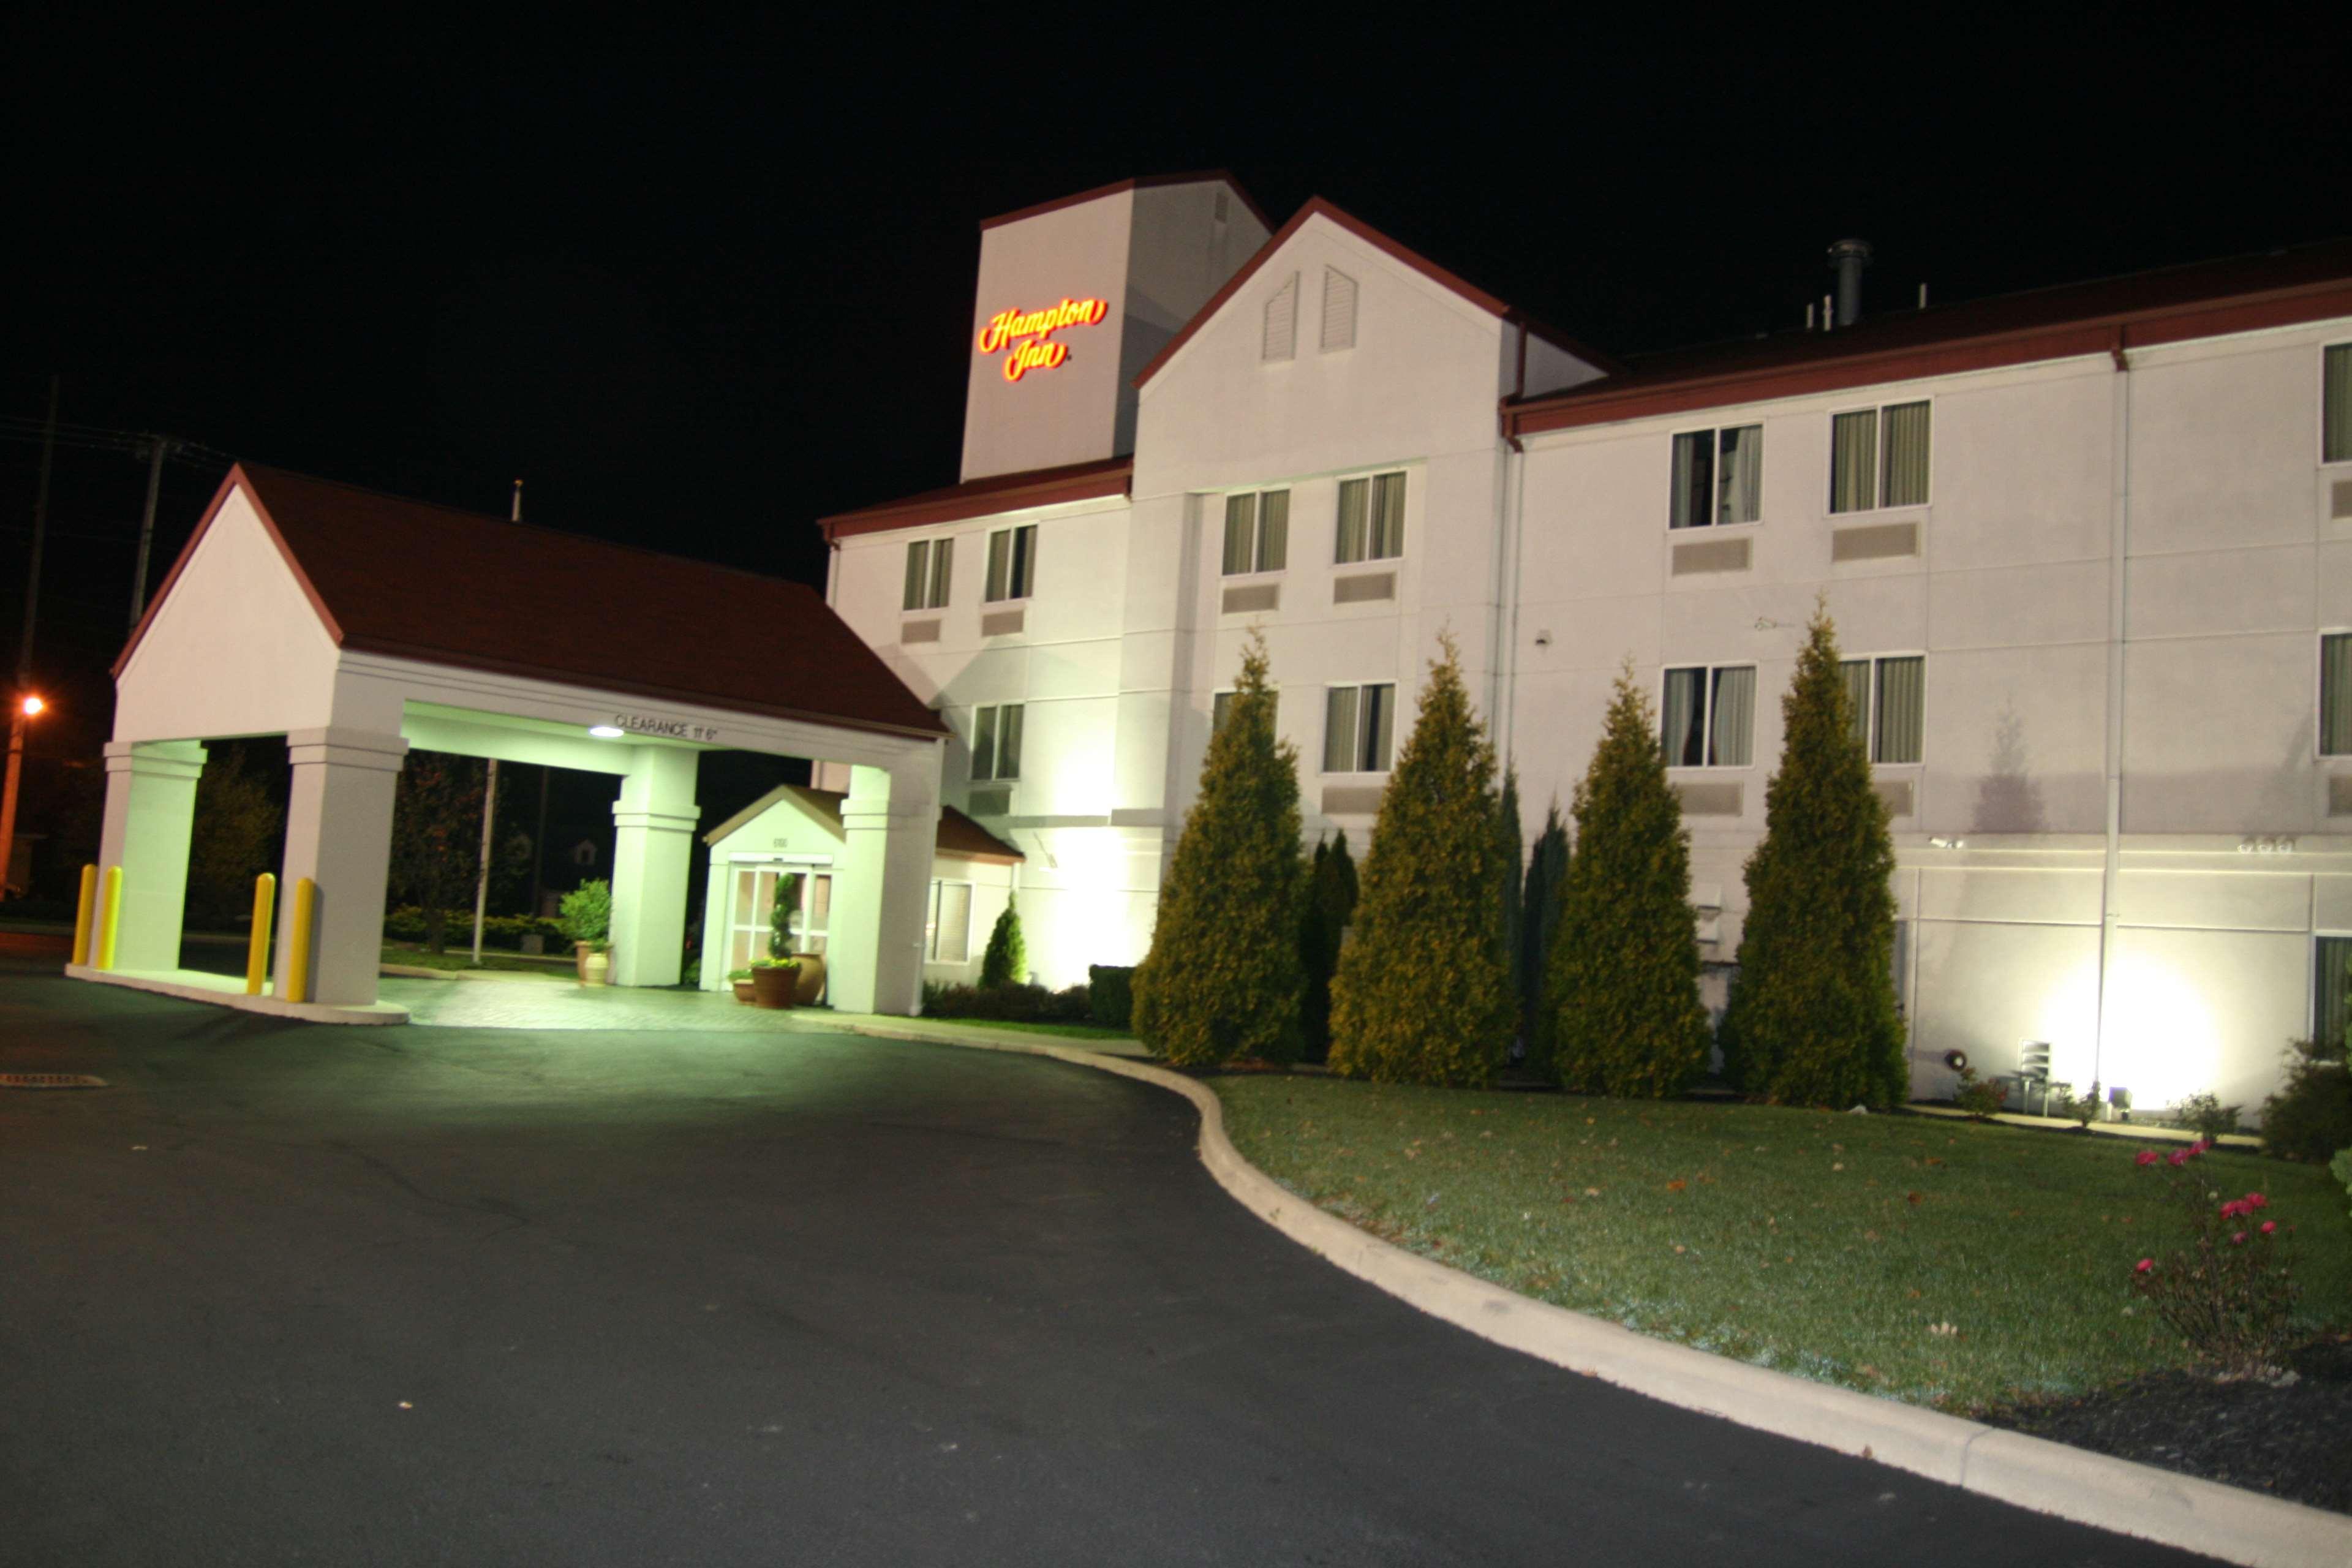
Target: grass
463, 958
1823, 1244
1067, 1031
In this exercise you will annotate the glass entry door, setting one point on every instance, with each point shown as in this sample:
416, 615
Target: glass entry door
753, 902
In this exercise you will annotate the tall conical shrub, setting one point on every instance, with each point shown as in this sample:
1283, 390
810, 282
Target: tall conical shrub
1423, 994
1812, 1019
1330, 905
1538, 921
1006, 959
1223, 977
1507, 841
1623, 972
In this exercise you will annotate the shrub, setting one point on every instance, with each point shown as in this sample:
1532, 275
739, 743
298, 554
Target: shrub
2229, 1291
1022, 1003
2310, 1117
1328, 907
1976, 1096
781, 913
2205, 1115
1624, 968
1812, 1019
1110, 992
1421, 994
587, 913
407, 923
2342, 1166
1547, 865
2083, 1110
1224, 976
1006, 962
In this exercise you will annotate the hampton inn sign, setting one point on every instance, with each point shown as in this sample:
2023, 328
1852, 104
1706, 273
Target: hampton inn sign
1026, 337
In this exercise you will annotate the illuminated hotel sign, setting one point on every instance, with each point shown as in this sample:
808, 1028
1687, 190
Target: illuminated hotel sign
1025, 338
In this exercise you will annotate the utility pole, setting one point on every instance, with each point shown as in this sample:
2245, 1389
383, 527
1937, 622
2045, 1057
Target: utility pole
156, 449
482, 882
22, 703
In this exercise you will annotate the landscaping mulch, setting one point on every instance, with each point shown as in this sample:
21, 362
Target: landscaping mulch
2289, 1442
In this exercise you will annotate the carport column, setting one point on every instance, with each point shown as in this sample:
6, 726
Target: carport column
873, 954
653, 850
151, 813
339, 833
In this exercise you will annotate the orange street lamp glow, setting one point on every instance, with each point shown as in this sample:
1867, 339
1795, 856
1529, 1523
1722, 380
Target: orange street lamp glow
34, 707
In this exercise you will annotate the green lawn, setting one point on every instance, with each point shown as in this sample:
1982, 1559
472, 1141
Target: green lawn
463, 958
1828, 1246
1067, 1031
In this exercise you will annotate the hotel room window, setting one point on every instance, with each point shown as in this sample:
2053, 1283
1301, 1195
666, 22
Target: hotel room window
1889, 700
1358, 728
1012, 563
996, 743
1257, 532
1710, 716
2335, 695
1372, 519
2336, 404
2331, 987
1719, 477
946, 937
1878, 457
928, 563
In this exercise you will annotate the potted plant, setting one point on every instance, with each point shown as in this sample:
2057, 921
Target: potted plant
741, 980
587, 923
776, 977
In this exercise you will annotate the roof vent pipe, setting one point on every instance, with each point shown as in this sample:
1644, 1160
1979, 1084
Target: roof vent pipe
1849, 256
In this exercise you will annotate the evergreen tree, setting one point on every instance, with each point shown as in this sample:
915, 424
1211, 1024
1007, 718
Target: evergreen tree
1539, 920
1423, 994
1813, 1017
1224, 976
1006, 961
1507, 831
1623, 967
1330, 905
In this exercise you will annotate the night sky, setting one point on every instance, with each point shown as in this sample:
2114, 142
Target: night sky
698, 289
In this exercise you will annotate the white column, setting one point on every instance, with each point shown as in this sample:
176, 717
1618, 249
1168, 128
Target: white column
151, 813
653, 851
339, 833
873, 951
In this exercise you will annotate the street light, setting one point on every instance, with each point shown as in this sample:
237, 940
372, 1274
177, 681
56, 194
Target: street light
27, 706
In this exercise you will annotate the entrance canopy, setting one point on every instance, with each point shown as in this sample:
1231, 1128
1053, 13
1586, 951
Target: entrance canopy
357, 625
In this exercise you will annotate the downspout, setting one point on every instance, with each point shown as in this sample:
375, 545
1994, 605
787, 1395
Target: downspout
1511, 484
832, 569
2118, 579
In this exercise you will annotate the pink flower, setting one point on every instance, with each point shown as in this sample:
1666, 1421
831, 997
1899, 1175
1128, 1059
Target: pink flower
2149, 1156
2269, 1225
2239, 1240
2144, 1265
2178, 1157
2234, 1208
2256, 1201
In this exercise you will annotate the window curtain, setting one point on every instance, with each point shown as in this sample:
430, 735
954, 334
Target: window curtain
1339, 729
1354, 495
1854, 461
2335, 695
942, 560
913, 598
2335, 407
1742, 475
1693, 478
984, 743
1906, 455
1388, 516
999, 559
1272, 530
1241, 515
1008, 742
1380, 717
1902, 710
1734, 718
1684, 742
2331, 989
1856, 672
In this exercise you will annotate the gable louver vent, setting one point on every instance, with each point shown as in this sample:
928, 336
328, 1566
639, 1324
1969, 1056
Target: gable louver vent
1281, 341
1338, 310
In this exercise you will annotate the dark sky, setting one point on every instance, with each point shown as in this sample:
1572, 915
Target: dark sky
698, 288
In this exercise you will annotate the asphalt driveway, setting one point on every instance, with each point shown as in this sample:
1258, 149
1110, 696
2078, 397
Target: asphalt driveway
303, 1294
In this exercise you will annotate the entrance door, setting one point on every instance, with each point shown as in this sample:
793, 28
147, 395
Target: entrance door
753, 904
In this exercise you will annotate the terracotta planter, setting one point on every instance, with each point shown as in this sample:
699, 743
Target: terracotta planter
810, 990
743, 992
595, 964
772, 985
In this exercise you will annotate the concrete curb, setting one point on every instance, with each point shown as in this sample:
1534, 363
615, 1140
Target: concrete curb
2223, 1521
223, 990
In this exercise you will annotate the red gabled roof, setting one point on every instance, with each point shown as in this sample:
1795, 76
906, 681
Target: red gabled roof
2106, 316
987, 497
411, 580
958, 837
1318, 207
1142, 182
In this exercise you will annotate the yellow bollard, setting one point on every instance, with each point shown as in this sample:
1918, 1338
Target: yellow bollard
298, 961
85, 913
109, 917
256, 949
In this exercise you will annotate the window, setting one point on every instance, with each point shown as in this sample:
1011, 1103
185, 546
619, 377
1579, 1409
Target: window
1280, 341
2335, 404
2335, 695
1220, 707
1372, 519
928, 566
1879, 457
1338, 310
1710, 716
2331, 988
1358, 725
1012, 563
1257, 531
1889, 699
996, 743
1719, 477
947, 935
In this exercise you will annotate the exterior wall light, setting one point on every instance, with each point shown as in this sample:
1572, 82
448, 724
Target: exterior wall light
605, 732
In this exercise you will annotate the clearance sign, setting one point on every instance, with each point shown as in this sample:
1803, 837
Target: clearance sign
1025, 338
